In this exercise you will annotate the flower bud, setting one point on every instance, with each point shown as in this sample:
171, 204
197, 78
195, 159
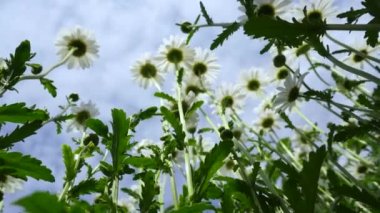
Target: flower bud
36, 68
279, 60
186, 27
74, 97
91, 138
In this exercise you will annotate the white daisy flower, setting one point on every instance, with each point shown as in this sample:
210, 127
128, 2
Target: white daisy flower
229, 98
205, 65
317, 10
358, 169
252, 82
192, 84
86, 48
9, 184
239, 133
281, 73
265, 104
286, 98
268, 120
175, 52
358, 60
145, 71
230, 168
81, 114
271, 8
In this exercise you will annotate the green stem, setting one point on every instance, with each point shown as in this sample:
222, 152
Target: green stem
64, 60
214, 25
353, 27
162, 193
315, 70
189, 178
115, 192
173, 188
305, 118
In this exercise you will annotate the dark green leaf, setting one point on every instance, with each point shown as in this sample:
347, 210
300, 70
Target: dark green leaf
373, 35
24, 166
310, 176
97, 126
148, 202
352, 15
205, 14
326, 95
207, 169
68, 159
41, 202
294, 196
174, 122
147, 113
141, 162
19, 134
120, 140
194, 208
373, 7
287, 120
165, 96
193, 109
88, 186
227, 32
18, 113
49, 86
21, 56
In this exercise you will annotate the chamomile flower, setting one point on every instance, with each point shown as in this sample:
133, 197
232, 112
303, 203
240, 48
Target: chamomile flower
317, 10
265, 104
86, 48
174, 53
268, 120
146, 72
286, 98
270, 8
81, 114
192, 84
358, 60
358, 169
9, 184
252, 82
230, 168
205, 65
229, 98
281, 73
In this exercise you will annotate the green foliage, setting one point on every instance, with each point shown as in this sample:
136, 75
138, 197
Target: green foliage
194, 208
88, 186
120, 139
194, 107
289, 123
165, 96
19, 134
49, 86
141, 162
23, 166
41, 202
207, 169
269, 28
326, 95
97, 126
352, 15
150, 190
227, 32
205, 14
18, 113
179, 135
69, 160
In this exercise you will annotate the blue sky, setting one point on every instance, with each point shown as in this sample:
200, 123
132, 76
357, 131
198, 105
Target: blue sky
124, 30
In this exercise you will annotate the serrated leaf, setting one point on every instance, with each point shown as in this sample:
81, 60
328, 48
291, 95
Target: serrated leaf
120, 140
373, 7
326, 95
24, 166
227, 32
194, 208
69, 161
310, 176
19, 134
18, 113
97, 126
147, 113
49, 86
88, 186
205, 14
194, 107
214, 160
41, 202
149, 191
352, 15
165, 96
372, 35
174, 122
287, 121
141, 162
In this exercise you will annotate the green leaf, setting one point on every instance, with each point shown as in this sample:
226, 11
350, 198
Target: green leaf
205, 14
372, 35
294, 196
373, 7
174, 122
21, 56
147, 113
69, 160
149, 190
352, 15
194, 208
310, 176
49, 86
120, 140
165, 96
194, 107
141, 162
88, 186
287, 120
18, 113
326, 95
24, 166
228, 31
270, 28
97, 126
19, 134
207, 169
41, 202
